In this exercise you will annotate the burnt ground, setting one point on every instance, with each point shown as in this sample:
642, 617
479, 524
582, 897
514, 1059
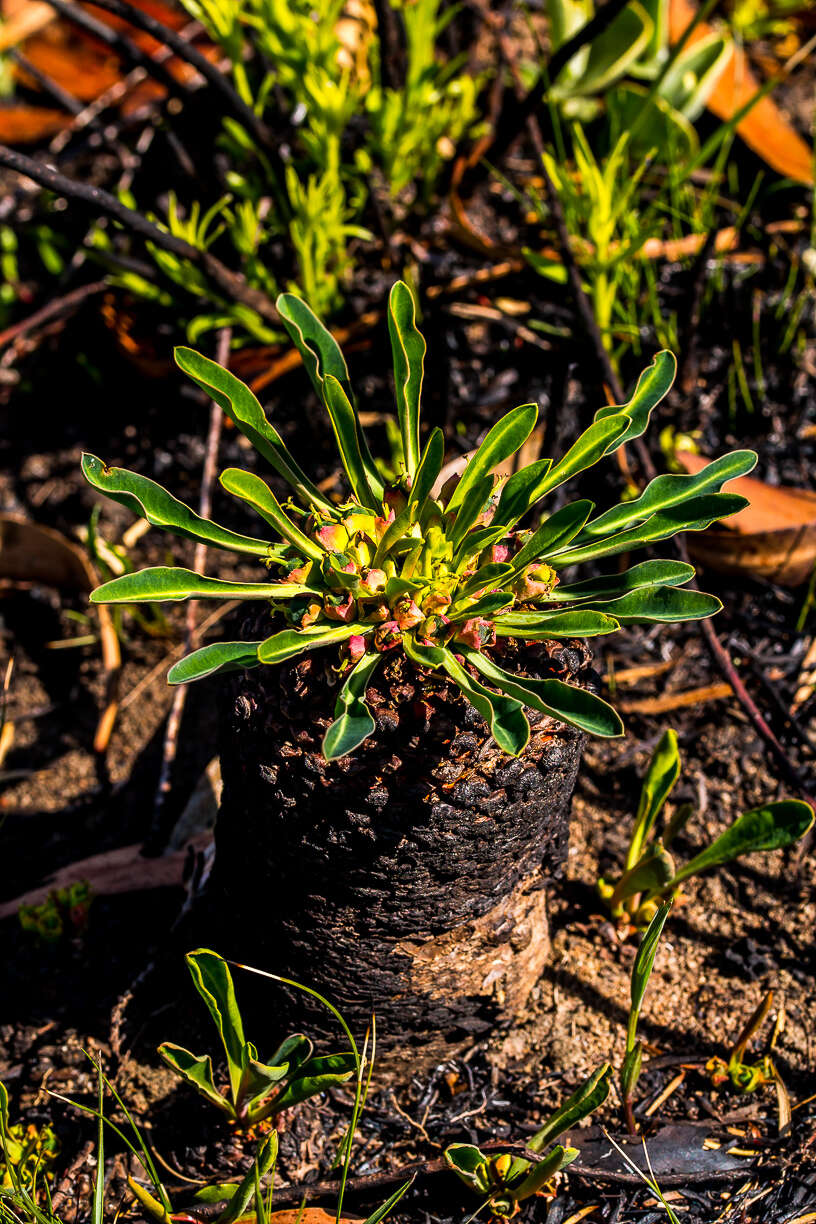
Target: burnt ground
735, 935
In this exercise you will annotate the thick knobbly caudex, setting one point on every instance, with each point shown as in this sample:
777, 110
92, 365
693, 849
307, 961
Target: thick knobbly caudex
409, 878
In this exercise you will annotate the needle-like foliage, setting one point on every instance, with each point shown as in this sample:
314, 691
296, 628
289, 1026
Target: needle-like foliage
448, 575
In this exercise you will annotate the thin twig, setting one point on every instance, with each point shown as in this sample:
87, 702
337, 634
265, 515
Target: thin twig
100, 201
56, 306
170, 749
47, 84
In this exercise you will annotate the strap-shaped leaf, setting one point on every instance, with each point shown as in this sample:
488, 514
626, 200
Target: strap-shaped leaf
642, 970
475, 542
150, 501
663, 605
296, 1049
390, 1203
471, 506
353, 719
592, 445
660, 779
540, 1174
652, 873
217, 657
503, 440
584, 1101
317, 1075
671, 490
563, 701
426, 475
554, 533
503, 715
347, 433
521, 491
265, 1159
653, 384
767, 828
291, 642
213, 981
257, 493
241, 406
488, 606
612, 53
166, 583
540, 626
495, 573
408, 352
693, 515
610, 586
259, 1079
322, 358
196, 1071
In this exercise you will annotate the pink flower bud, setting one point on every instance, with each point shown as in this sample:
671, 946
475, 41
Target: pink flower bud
536, 581
356, 647
300, 573
387, 636
498, 552
333, 536
373, 582
339, 607
407, 613
436, 601
477, 633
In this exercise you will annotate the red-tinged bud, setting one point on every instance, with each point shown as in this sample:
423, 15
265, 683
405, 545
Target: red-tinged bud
339, 607
436, 601
387, 636
536, 581
310, 615
477, 633
381, 525
395, 498
486, 517
373, 582
333, 536
406, 613
300, 573
498, 552
356, 647
434, 630
374, 611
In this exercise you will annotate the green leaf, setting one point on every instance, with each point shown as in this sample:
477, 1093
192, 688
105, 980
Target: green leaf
167, 583
319, 351
642, 970
348, 435
694, 73
584, 1101
241, 406
290, 642
98, 1206
661, 604
353, 719
645, 574
521, 491
661, 776
503, 715
470, 508
554, 533
427, 473
390, 1203
540, 1174
488, 606
476, 542
612, 53
669, 490
315, 1076
592, 445
651, 874
767, 828
213, 981
196, 1071
217, 657
257, 493
540, 626
469, 1164
151, 502
323, 358
408, 351
694, 515
493, 574
652, 386
563, 701
503, 440
296, 1049
265, 1158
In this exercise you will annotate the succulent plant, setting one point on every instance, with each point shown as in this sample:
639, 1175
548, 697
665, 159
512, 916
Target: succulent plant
446, 574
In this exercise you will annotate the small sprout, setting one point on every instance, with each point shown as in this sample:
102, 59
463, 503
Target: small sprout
256, 1090
641, 972
745, 1076
651, 876
65, 911
504, 1180
27, 1152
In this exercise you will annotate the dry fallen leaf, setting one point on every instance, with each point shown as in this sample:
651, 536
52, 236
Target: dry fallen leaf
765, 129
774, 537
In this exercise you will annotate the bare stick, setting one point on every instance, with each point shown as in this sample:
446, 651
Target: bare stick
171, 733
56, 306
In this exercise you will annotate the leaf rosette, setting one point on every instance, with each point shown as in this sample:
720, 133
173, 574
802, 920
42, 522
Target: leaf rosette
445, 572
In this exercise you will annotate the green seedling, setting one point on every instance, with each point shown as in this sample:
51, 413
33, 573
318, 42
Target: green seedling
504, 1180
449, 576
256, 1090
746, 1076
641, 972
65, 911
27, 1154
650, 875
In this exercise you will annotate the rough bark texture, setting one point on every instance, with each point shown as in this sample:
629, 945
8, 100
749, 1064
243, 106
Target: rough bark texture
406, 879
